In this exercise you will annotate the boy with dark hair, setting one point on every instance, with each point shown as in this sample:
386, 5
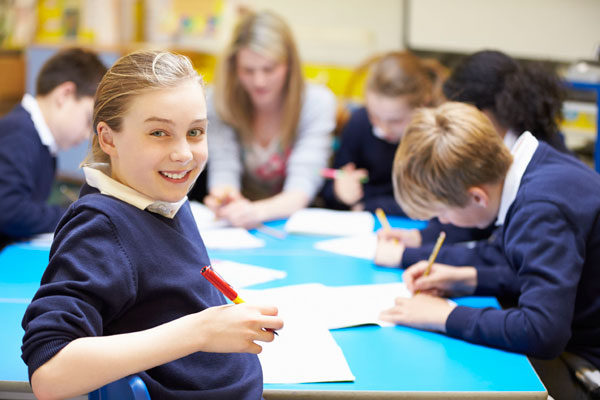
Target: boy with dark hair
451, 165
57, 118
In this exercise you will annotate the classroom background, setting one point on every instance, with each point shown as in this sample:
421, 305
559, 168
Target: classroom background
334, 36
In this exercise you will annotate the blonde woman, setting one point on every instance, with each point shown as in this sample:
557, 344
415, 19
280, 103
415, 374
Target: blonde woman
270, 130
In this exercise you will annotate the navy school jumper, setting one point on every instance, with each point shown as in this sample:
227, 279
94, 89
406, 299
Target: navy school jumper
550, 241
26, 175
116, 269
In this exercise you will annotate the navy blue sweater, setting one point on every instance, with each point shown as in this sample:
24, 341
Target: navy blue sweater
551, 241
26, 174
365, 150
117, 269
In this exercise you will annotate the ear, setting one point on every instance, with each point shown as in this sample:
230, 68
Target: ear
64, 92
479, 195
106, 139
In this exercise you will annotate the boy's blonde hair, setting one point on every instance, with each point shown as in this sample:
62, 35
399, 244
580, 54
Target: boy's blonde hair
134, 74
268, 34
444, 152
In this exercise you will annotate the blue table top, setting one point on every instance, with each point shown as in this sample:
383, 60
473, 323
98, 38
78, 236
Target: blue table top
389, 359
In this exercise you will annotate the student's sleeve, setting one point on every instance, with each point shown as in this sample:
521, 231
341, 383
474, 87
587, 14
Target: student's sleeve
312, 148
348, 151
82, 288
21, 214
386, 202
545, 248
494, 275
224, 152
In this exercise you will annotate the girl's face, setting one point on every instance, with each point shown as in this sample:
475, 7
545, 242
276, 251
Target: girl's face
162, 147
390, 115
262, 77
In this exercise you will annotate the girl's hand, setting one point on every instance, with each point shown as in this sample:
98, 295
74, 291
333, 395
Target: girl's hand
409, 237
421, 312
443, 280
389, 252
235, 328
242, 213
221, 196
347, 186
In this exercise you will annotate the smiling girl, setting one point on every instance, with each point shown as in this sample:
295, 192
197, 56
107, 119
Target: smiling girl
123, 293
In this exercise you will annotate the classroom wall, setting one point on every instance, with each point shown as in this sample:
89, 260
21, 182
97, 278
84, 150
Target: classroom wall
561, 30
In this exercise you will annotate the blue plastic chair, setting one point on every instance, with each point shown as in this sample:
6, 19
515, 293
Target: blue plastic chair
131, 387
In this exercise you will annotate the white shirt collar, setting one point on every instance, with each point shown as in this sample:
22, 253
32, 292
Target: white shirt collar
510, 139
522, 152
31, 105
97, 175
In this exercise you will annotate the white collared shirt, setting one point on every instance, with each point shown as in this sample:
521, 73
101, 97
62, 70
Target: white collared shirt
31, 105
510, 138
97, 175
522, 152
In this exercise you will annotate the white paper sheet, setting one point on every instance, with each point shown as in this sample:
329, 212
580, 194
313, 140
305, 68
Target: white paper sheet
205, 217
319, 221
332, 306
230, 238
241, 275
362, 246
303, 352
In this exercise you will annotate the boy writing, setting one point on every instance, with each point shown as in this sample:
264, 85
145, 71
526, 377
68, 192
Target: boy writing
57, 118
451, 165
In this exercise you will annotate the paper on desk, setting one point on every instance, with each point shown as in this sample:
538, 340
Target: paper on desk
230, 238
304, 352
362, 246
241, 275
332, 306
42, 241
218, 234
205, 217
319, 221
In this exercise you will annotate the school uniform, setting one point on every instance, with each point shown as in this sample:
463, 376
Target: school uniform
27, 169
123, 266
361, 146
550, 235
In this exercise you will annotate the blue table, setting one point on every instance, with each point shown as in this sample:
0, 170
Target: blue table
390, 362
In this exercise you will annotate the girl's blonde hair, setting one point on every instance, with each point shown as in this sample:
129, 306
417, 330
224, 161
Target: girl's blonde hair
444, 152
401, 73
136, 73
268, 34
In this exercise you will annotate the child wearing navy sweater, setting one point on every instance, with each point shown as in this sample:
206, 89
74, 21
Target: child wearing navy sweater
123, 292
517, 97
57, 118
397, 83
451, 165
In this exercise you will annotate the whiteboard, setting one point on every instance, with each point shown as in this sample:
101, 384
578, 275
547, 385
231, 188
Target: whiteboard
561, 30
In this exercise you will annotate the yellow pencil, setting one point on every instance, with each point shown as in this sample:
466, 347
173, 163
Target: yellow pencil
434, 253
385, 224
383, 219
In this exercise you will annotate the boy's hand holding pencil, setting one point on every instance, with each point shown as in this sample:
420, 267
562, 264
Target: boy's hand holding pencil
390, 248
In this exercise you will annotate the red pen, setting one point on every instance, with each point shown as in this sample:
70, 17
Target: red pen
211, 275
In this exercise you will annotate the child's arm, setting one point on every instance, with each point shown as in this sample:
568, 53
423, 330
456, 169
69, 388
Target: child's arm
88, 363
